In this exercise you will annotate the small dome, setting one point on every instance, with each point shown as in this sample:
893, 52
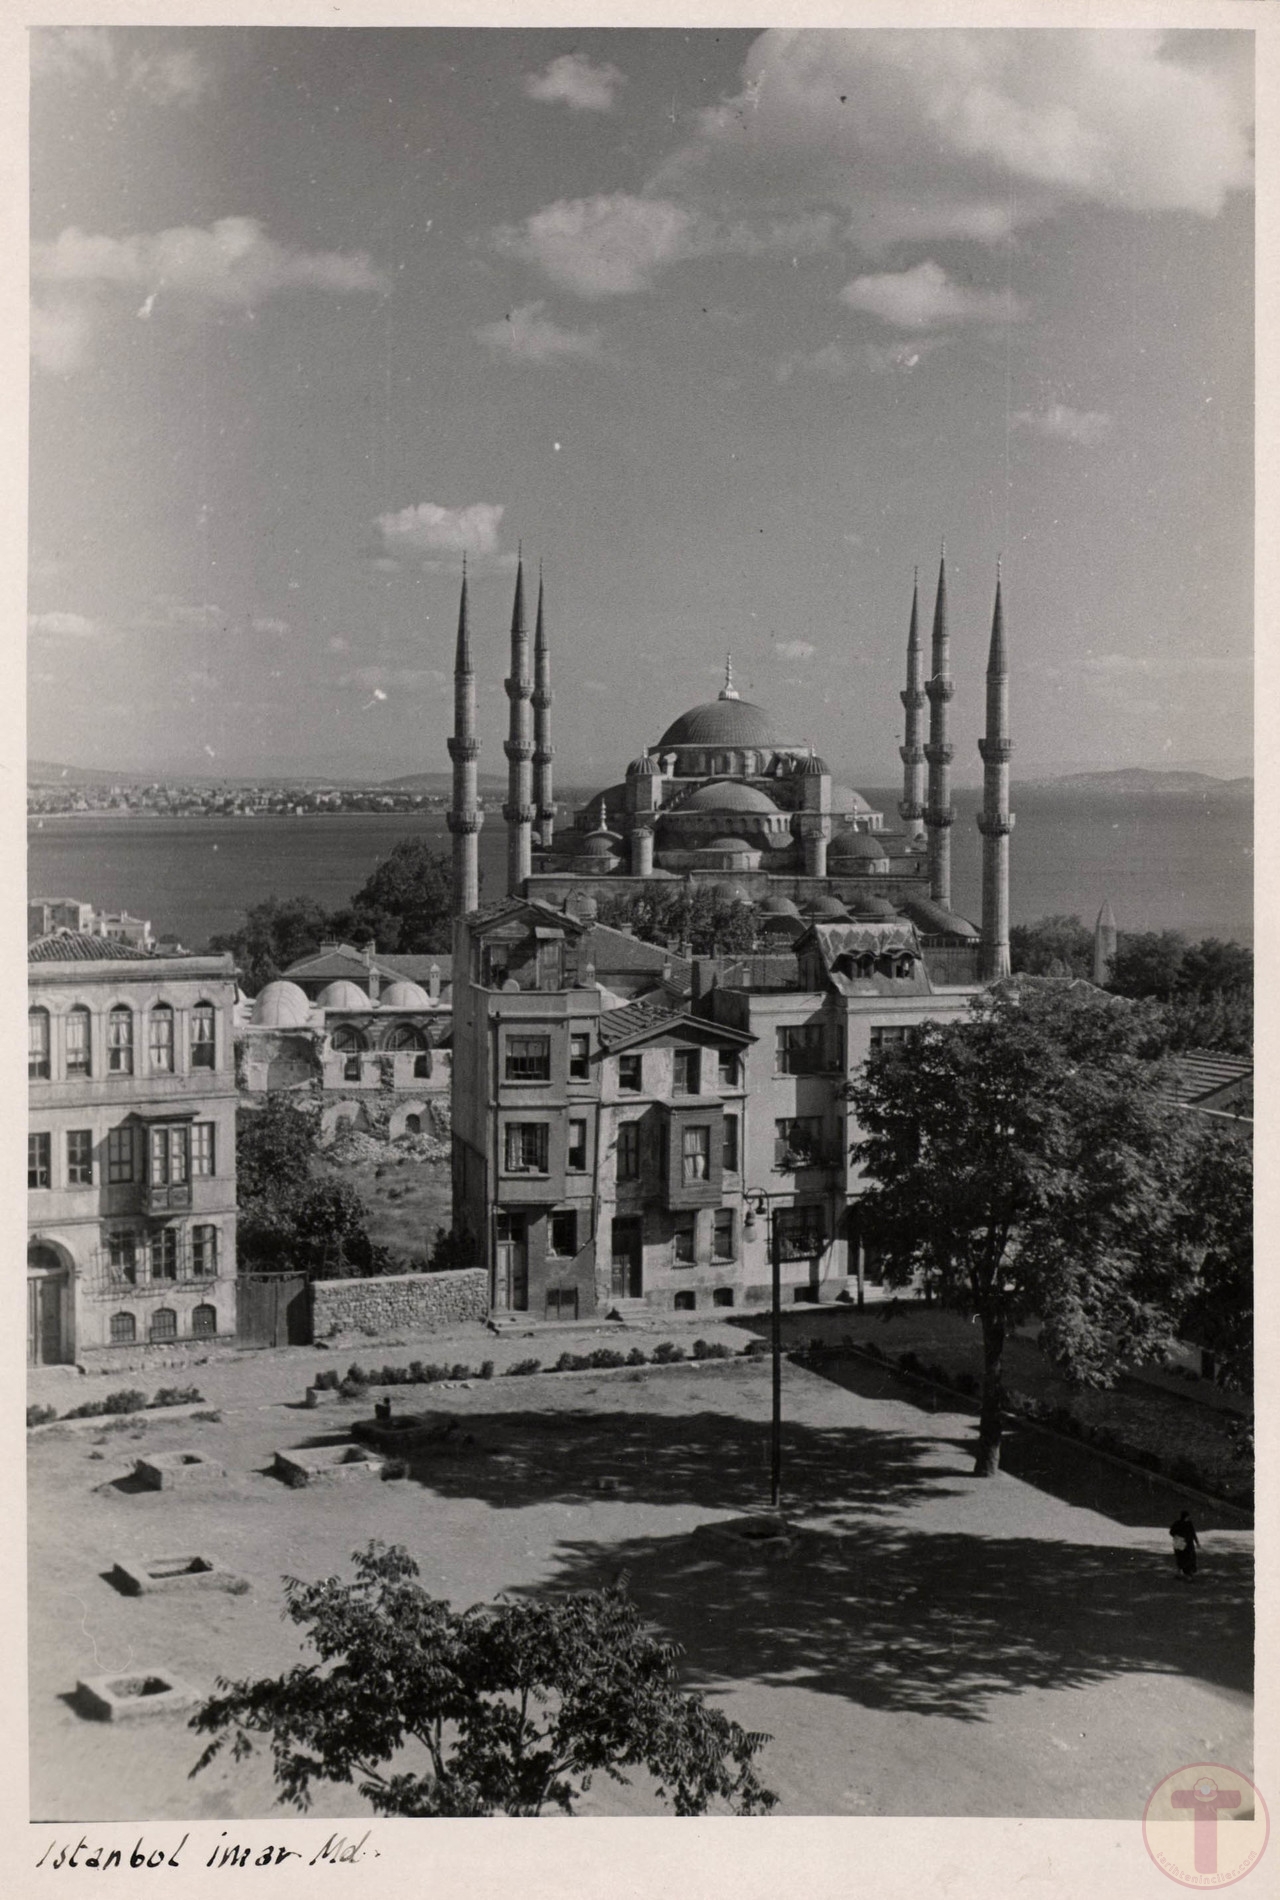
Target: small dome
404, 995
873, 907
857, 847
827, 907
727, 794
643, 768
732, 893
344, 994
728, 844
600, 845
814, 767
779, 907
282, 1005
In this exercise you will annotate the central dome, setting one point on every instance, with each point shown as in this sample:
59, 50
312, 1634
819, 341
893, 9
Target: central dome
726, 722
725, 794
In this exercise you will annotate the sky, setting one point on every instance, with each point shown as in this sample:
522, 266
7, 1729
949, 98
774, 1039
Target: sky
729, 330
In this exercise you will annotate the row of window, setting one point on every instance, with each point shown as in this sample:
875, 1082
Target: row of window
528, 1059
349, 1038
163, 1324
160, 1040
163, 1253
174, 1153
528, 1144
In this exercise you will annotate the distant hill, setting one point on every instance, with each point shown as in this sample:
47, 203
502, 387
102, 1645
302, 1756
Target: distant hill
438, 782
1136, 781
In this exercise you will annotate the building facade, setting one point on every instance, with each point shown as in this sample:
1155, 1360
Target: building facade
131, 1159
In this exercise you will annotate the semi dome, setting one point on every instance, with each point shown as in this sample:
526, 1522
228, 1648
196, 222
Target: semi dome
282, 1005
726, 794
404, 995
344, 994
601, 845
721, 722
643, 768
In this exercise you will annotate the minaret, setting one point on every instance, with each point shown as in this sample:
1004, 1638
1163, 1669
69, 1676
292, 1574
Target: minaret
466, 817
728, 690
543, 750
937, 814
518, 810
995, 821
1104, 944
911, 804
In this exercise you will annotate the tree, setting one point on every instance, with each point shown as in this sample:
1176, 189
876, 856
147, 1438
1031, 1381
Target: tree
1054, 945
1026, 1163
291, 1218
275, 934
708, 921
1206, 988
1217, 1201
1148, 963
406, 904
516, 1705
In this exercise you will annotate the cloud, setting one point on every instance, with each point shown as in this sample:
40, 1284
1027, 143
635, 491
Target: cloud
232, 263
65, 626
169, 75
525, 333
969, 134
925, 298
836, 361
1061, 423
605, 246
794, 649
425, 529
573, 81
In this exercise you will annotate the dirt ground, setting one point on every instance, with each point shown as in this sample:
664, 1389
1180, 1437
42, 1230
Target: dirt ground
932, 1643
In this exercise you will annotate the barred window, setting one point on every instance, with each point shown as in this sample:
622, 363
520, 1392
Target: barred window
527, 1144
122, 1253
79, 1157
203, 1149
120, 1040
204, 1251
120, 1155
528, 1059
204, 1036
204, 1321
164, 1254
124, 1329
160, 1040
37, 1045
164, 1323
79, 1058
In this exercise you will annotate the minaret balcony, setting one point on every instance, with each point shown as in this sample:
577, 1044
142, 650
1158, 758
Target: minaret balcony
939, 816
463, 749
913, 698
464, 822
911, 754
543, 698
910, 809
939, 754
519, 751
995, 824
543, 754
519, 688
995, 751
940, 689
519, 814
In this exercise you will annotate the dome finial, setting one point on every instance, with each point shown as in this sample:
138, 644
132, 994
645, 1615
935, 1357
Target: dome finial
728, 690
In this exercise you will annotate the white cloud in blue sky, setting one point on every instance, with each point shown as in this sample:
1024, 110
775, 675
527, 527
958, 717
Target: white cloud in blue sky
573, 81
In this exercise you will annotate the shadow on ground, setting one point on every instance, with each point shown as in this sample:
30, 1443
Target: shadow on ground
926, 1622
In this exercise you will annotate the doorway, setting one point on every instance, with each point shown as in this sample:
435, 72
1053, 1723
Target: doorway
626, 1273
49, 1329
511, 1237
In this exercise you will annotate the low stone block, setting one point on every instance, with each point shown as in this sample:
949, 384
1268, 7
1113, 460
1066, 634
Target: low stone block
140, 1695
320, 1395
326, 1464
178, 1470
144, 1576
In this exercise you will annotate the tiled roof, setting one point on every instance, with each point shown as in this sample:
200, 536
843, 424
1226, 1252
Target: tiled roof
418, 967
1205, 1079
643, 1018
609, 949
346, 961
73, 946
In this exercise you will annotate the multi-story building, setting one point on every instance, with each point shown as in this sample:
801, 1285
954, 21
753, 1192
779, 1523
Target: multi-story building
131, 1160
45, 916
650, 1135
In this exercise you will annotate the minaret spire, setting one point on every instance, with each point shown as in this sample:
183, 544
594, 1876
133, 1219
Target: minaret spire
465, 816
911, 752
728, 690
543, 751
995, 820
938, 751
518, 810
1104, 944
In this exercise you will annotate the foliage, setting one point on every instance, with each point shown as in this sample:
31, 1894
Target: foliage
451, 1251
1052, 946
1206, 988
292, 1220
1025, 1163
1218, 1225
275, 1147
703, 920
516, 1705
523, 1368
178, 1395
405, 905
274, 934
41, 1415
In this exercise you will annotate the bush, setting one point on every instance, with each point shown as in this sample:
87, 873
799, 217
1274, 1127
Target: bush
356, 1375
604, 1357
667, 1353
637, 1357
92, 1408
708, 1349
486, 1369
177, 1395
523, 1367
754, 1349
130, 1400
351, 1389
567, 1362
327, 1381
41, 1415
909, 1362
460, 1372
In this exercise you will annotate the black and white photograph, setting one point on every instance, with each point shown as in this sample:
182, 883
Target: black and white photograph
640, 920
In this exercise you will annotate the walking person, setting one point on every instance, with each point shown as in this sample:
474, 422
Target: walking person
1183, 1533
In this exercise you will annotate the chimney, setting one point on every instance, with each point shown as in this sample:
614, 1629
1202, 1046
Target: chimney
705, 972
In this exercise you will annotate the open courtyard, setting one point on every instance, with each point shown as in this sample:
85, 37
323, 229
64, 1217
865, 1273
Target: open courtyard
926, 1643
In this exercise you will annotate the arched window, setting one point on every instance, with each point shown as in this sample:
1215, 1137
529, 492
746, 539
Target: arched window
204, 1251
413, 1124
120, 1040
124, 1329
38, 1045
79, 1052
405, 1036
204, 1322
164, 1323
160, 1040
347, 1039
204, 1036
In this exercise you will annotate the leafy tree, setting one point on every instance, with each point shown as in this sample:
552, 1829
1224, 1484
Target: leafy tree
704, 919
1148, 963
292, 1219
275, 1147
275, 934
1206, 988
1217, 1201
406, 904
1025, 1162
1057, 945
516, 1705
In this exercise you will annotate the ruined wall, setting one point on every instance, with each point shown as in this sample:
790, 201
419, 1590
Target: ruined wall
403, 1302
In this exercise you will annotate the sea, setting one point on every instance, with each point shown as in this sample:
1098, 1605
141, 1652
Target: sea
1171, 860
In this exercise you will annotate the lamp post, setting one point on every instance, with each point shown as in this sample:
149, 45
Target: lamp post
761, 1198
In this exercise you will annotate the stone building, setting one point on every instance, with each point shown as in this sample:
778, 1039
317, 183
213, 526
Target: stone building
131, 1157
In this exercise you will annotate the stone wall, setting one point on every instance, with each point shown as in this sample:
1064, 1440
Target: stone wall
408, 1302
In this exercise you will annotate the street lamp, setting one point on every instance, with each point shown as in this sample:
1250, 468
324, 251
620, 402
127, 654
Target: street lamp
757, 1200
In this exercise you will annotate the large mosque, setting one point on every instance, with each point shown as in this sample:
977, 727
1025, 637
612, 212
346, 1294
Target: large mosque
726, 798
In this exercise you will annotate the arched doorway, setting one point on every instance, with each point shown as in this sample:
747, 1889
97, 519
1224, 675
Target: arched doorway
50, 1328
